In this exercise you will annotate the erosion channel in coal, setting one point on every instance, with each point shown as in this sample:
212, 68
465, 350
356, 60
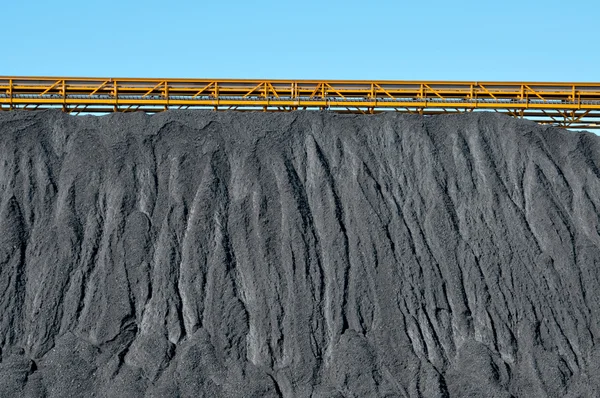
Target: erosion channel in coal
303, 254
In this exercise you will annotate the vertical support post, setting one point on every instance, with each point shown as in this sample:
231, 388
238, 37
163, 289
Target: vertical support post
166, 95
373, 98
522, 92
294, 90
10, 94
63, 93
116, 96
217, 95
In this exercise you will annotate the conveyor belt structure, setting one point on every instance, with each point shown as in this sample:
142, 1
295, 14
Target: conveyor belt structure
563, 104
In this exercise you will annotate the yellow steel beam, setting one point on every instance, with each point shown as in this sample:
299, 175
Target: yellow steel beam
100, 87
270, 86
153, 89
51, 87
203, 89
545, 102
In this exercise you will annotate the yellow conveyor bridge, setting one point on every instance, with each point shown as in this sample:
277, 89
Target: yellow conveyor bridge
570, 105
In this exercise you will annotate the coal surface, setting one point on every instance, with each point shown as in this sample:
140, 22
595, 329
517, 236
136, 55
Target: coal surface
201, 254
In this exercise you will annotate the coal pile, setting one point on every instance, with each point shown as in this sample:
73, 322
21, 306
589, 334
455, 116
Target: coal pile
304, 254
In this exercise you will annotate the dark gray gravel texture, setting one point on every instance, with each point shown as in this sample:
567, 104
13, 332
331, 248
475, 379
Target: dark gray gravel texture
202, 254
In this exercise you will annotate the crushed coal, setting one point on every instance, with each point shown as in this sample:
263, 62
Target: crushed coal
303, 254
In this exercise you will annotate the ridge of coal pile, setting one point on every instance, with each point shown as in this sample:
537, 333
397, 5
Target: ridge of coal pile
205, 254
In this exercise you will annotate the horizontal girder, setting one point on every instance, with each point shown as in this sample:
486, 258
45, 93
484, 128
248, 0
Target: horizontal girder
573, 105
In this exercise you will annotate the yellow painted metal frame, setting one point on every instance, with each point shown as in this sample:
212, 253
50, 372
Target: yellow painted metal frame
572, 105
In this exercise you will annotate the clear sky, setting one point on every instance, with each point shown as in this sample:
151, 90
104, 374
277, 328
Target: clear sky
542, 40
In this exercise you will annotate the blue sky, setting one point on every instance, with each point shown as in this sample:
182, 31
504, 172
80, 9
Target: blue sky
543, 40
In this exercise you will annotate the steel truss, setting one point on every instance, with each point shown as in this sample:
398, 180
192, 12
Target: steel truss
570, 105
